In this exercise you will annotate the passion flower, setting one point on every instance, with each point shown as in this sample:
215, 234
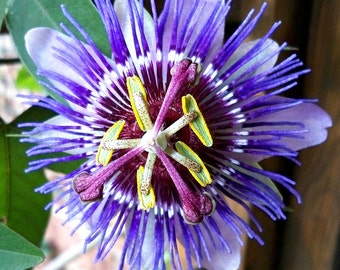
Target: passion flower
169, 127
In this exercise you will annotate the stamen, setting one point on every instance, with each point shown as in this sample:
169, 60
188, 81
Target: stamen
190, 164
104, 155
202, 176
145, 191
179, 124
120, 144
198, 125
147, 175
139, 103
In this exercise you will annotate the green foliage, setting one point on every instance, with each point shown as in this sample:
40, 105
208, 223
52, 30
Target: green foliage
4, 4
25, 80
16, 252
24, 15
20, 207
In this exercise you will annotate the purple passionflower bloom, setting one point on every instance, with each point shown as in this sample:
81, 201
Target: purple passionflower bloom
170, 126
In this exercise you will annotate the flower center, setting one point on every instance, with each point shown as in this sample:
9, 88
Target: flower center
157, 142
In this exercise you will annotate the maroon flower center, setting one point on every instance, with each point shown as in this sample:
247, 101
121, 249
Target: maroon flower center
157, 143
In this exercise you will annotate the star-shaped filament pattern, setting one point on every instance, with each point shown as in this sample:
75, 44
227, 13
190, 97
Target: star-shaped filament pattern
156, 140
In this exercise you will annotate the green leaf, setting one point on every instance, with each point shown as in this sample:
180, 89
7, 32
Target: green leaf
20, 207
25, 80
4, 4
16, 252
24, 15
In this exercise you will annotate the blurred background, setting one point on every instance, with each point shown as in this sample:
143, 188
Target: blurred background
309, 238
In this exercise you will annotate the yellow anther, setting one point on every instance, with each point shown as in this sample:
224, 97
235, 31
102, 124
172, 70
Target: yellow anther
146, 195
202, 176
198, 125
103, 155
139, 103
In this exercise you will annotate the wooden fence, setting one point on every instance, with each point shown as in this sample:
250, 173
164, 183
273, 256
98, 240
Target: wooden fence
310, 238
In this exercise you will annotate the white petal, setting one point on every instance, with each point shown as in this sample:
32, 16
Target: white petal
59, 121
147, 252
149, 244
41, 44
185, 9
220, 259
122, 10
223, 259
315, 121
268, 48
